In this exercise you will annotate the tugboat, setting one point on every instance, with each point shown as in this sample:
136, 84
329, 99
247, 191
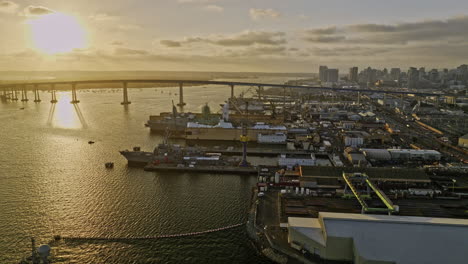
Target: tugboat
39, 255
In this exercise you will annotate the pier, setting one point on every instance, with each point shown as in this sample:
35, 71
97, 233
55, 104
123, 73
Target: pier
257, 152
207, 169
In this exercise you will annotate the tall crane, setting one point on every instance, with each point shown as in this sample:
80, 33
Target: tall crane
244, 139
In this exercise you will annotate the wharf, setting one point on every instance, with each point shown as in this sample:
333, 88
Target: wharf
206, 169
257, 152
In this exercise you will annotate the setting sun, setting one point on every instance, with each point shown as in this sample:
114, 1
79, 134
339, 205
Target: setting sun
57, 33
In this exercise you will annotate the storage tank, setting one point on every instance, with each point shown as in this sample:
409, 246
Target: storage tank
277, 177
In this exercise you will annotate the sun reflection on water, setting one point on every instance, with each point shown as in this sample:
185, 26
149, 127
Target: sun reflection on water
63, 114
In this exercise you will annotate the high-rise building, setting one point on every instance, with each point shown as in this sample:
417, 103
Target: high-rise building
323, 73
422, 73
462, 73
333, 75
413, 78
371, 75
434, 75
385, 73
353, 74
395, 74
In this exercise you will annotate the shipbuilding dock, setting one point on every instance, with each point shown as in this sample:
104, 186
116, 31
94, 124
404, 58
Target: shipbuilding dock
205, 169
262, 152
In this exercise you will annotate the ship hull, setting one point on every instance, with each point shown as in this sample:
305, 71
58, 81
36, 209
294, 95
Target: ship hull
137, 158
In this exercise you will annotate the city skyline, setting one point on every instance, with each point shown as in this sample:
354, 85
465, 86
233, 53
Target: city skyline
223, 35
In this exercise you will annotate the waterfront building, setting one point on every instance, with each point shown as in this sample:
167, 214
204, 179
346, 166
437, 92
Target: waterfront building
413, 78
323, 73
395, 74
462, 73
371, 76
422, 73
385, 239
353, 74
333, 75
434, 75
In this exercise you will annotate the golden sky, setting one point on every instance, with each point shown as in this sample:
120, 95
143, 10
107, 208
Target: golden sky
231, 35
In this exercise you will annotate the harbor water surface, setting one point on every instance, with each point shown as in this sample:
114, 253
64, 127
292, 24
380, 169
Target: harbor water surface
52, 182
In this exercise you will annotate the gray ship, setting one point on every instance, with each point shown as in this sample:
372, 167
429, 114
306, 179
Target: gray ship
177, 122
166, 153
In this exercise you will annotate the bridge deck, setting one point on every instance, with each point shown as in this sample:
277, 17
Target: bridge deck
201, 82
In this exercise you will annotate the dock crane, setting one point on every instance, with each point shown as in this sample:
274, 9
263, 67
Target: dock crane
244, 139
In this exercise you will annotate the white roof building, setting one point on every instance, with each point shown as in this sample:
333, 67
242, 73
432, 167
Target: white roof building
364, 238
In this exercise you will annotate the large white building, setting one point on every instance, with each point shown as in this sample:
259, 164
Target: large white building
365, 239
289, 160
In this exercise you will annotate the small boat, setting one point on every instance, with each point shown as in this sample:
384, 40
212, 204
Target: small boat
109, 165
90, 142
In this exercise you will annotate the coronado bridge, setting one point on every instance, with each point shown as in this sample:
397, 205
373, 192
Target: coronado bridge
11, 91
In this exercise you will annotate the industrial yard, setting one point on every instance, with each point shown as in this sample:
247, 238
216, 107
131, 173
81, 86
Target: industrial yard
318, 153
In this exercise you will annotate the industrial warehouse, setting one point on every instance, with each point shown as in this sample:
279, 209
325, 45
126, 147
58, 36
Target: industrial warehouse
381, 239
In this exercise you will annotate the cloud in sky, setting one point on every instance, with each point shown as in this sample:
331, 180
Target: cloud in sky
214, 8
246, 38
129, 52
129, 27
37, 11
117, 43
8, 6
197, 1
257, 14
452, 29
103, 17
201, 35
171, 43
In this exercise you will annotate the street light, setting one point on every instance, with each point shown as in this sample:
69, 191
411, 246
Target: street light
453, 185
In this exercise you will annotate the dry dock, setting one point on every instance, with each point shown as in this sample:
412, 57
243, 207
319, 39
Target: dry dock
256, 152
205, 169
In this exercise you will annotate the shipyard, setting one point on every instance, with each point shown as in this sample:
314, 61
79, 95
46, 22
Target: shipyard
243, 132
321, 157
320, 160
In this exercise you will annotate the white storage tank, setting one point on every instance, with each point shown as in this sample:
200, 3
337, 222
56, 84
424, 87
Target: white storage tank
277, 177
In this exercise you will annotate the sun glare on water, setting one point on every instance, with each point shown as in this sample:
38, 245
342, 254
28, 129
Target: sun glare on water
57, 33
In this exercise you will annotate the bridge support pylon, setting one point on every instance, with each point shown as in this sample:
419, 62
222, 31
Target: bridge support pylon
260, 92
24, 94
181, 95
232, 91
52, 93
37, 98
14, 94
74, 97
125, 94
